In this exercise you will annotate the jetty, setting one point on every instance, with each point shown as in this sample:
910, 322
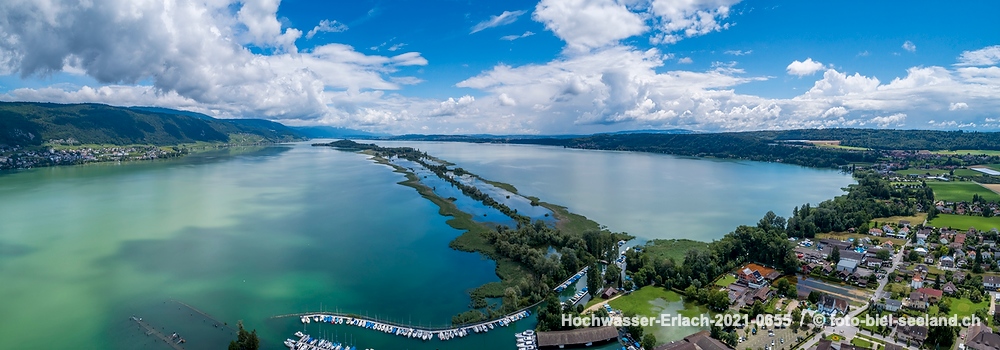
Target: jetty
173, 342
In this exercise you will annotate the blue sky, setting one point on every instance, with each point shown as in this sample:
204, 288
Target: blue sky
533, 67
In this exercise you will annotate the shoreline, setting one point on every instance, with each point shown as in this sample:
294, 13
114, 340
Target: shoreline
475, 235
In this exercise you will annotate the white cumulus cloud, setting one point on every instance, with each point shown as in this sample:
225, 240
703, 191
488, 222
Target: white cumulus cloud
909, 46
987, 56
574, 21
804, 68
957, 105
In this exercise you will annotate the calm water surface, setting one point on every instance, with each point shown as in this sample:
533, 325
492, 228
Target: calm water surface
647, 195
257, 233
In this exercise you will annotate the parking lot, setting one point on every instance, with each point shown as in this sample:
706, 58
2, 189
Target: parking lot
763, 338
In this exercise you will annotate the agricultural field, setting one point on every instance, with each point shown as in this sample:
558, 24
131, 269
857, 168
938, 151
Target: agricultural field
965, 221
961, 191
915, 171
969, 151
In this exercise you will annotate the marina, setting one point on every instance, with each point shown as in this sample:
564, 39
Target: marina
305, 342
407, 331
572, 280
526, 340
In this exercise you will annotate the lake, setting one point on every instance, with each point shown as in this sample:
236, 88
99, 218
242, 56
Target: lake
248, 234
647, 195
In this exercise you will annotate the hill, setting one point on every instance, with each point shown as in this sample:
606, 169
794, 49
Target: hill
32, 124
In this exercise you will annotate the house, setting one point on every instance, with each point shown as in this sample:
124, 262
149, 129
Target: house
930, 294
921, 251
916, 301
698, 341
875, 232
982, 338
991, 282
751, 278
610, 292
929, 259
847, 265
891, 305
756, 276
949, 288
917, 282
947, 261
874, 263
958, 277
960, 238
916, 335
825, 344
832, 305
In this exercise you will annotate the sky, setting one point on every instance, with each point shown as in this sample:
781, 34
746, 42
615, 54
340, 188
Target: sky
517, 67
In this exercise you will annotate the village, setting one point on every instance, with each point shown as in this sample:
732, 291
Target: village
19, 158
940, 261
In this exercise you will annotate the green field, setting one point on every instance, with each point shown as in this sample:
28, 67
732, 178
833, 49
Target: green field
915, 171
961, 191
673, 248
963, 222
652, 301
969, 151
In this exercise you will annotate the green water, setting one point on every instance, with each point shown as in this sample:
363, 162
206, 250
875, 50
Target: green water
252, 234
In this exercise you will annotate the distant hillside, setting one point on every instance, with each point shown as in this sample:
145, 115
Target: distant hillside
27, 124
330, 132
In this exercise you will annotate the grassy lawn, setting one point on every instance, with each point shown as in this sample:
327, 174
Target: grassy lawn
652, 301
961, 191
726, 280
861, 342
673, 248
964, 307
964, 222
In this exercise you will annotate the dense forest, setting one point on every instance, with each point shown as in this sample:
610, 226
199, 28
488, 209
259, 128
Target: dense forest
872, 197
32, 124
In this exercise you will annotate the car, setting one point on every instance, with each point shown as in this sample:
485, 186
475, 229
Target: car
782, 340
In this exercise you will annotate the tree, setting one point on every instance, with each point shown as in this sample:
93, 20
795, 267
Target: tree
835, 255
883, 255
594, 280
648, 341
613, 275
814, 297
245, 340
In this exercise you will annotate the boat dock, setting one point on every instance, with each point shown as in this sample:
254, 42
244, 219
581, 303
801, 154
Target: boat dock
408, 331
305, 342
571, 280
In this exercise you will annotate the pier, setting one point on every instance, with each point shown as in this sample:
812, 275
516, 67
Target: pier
152, 331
